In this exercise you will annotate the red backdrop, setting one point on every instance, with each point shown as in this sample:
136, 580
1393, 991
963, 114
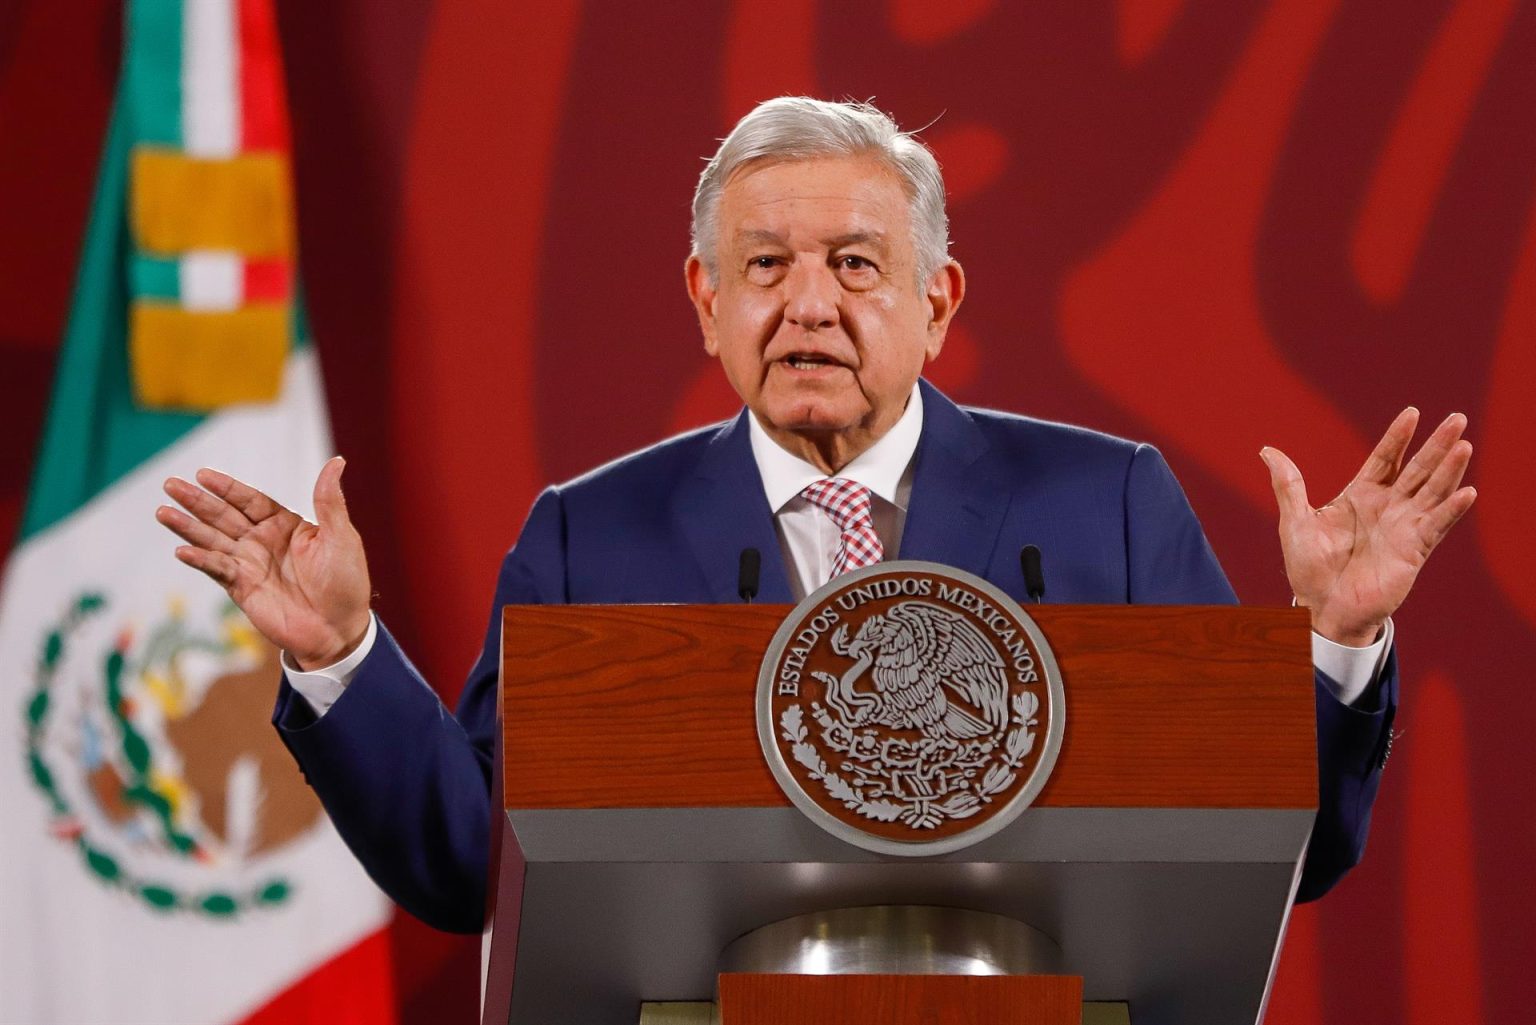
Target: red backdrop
1212, 225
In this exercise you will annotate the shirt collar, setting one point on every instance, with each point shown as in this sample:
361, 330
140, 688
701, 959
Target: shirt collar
879, 468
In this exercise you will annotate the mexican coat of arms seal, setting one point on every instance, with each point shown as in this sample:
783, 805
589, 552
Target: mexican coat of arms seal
910, 708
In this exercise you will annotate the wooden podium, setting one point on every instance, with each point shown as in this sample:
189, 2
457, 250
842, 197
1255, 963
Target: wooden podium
644, 832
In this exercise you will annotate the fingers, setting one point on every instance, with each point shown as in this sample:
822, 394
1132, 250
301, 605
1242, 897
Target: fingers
1386, 458
330, 504
221, 568
192, 531
1285, 478
1447, 476
1424, 463
210, 509
253, 504
1443, 517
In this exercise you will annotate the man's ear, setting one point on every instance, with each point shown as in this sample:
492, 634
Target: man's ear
946, 290
702, 292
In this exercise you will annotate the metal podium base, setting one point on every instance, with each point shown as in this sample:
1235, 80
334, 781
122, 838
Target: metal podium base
705, 1013
895, 940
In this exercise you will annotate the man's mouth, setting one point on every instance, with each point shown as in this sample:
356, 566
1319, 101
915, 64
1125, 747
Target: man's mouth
798, 362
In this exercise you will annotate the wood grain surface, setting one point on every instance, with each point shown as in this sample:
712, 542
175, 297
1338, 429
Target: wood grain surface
753, 999
612, 706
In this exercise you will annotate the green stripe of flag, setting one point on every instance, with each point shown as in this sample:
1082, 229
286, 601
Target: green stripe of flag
150, 277
298, 320
94, 433
151, 85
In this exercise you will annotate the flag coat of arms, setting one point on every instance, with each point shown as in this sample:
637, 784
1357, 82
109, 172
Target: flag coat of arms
164, 860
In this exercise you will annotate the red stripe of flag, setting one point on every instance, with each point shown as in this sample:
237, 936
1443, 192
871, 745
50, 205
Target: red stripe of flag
263, 105
356, 987
268, 280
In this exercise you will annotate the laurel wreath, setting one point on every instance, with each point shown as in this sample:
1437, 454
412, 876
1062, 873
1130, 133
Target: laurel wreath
920, 812
138, 789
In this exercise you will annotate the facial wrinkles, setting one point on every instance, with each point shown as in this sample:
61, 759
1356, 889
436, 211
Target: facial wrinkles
822, 216
810, 227
815, 269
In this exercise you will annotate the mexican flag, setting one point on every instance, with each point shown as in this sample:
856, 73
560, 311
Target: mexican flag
163, 860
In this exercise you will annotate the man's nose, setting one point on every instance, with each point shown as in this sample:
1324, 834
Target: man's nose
811, 293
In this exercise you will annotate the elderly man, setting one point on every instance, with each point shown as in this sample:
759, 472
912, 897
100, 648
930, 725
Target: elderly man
822, 281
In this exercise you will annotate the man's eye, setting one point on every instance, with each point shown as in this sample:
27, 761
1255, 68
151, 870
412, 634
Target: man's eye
855, 263
763, 262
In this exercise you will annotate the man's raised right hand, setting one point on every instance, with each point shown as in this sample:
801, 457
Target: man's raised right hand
303, 585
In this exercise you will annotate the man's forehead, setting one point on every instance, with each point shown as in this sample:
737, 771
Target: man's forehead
750, 236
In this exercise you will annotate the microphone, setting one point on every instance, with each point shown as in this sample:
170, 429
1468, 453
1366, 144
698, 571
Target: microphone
1034, 580
747, 572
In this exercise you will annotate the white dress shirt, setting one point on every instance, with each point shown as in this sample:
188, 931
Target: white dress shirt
809, 538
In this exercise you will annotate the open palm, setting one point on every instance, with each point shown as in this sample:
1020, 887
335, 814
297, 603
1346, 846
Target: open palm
1354, 560
303, 585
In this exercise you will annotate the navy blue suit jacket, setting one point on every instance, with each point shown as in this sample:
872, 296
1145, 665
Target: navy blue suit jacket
408, 784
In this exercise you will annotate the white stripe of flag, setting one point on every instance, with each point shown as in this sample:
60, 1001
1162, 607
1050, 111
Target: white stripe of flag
211, 280
210, 79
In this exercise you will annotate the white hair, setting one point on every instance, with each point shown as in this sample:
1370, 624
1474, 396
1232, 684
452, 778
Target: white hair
801, 128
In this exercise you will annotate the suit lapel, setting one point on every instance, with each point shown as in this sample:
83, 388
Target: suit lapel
958, 499
956, 511
722, 509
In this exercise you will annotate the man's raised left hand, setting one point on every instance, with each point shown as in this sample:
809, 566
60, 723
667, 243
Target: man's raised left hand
1353, 561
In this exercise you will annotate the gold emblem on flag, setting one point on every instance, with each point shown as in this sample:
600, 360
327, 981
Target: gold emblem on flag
153, 755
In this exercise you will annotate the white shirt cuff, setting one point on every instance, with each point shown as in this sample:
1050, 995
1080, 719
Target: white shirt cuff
1351, 671
322, 687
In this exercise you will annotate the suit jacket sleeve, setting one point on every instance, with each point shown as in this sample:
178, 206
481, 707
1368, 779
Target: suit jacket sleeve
407, 784
1170, 562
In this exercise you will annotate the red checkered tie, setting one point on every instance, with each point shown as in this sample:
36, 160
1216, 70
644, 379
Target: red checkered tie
847, 502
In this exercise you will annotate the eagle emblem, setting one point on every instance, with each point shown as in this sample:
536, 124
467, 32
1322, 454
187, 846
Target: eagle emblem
910, 708
932, 671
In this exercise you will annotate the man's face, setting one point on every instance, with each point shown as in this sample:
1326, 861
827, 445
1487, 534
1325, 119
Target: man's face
817, 316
